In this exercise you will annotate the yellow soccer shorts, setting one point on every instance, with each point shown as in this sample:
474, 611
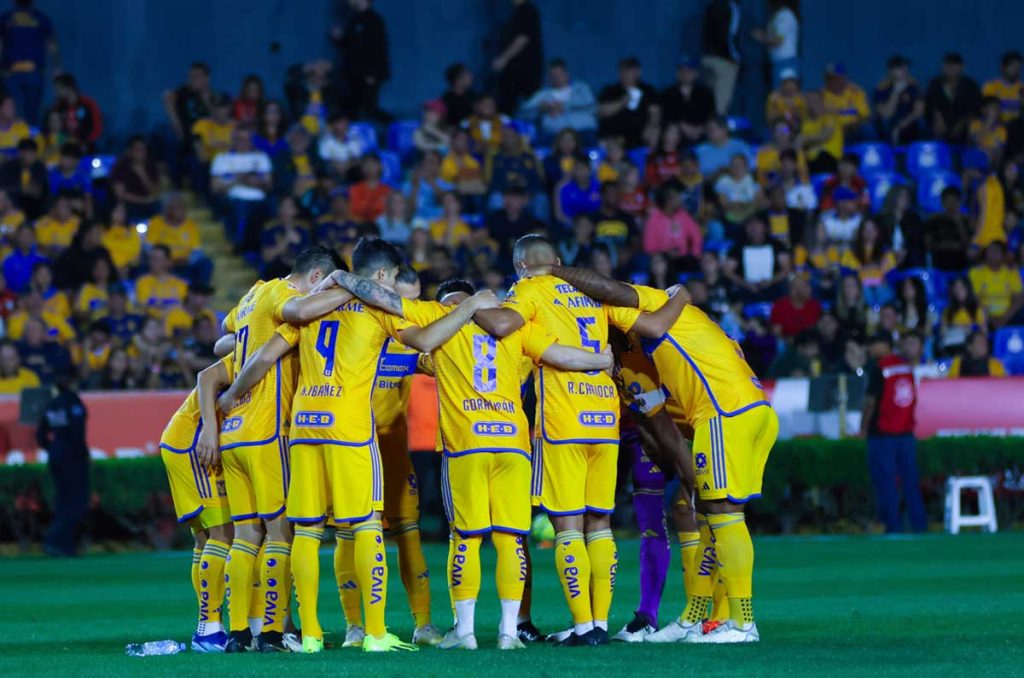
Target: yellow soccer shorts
485, 491
196, 491
574, 478
257, 478
330, 476
729, 454
401, 489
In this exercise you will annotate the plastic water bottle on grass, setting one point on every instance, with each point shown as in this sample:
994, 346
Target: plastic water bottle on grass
154, 648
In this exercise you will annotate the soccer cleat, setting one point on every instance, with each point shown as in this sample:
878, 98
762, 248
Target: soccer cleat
588, 639
676, 632
453, 641
271, 641
559, 636
710, 625
294, 641
731, 632
354, 636
389, 642
239, 641
428, 634
507, 642
597, 636
528, 633
210, 643
636, 630
311, 645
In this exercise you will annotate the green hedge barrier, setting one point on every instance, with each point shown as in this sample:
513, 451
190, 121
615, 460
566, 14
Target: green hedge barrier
814, 481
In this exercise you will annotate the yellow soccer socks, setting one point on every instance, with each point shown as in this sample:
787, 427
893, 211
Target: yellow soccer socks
573, 565
736, 557
345, 576
371, 570
700, 574
464, 577
689, 545
239, 571
276, 581
510, 576
197, 556
525, 607
305, 558
604, 559
211, 586
413, 568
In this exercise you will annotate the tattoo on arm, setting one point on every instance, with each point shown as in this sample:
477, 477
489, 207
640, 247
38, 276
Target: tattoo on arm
370, 292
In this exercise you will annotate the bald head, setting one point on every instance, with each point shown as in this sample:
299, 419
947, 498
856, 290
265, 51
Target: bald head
533, 254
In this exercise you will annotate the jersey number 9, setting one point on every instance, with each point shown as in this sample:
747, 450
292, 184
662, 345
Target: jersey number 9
326, 342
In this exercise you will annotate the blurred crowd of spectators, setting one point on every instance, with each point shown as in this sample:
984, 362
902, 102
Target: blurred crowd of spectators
847, 214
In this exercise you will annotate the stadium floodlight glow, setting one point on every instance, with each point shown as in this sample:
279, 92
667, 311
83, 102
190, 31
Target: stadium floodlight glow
142, 227
96, 163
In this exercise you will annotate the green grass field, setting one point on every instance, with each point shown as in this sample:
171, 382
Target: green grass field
851, 605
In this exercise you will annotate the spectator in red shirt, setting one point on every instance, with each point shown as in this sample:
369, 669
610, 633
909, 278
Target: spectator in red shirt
663, 162
367, 199
797, 311
632, 196
80, 115
849, 177
671, 230
246, 107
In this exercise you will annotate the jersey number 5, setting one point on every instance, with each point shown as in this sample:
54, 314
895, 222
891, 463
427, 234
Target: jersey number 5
326, 342
485, 372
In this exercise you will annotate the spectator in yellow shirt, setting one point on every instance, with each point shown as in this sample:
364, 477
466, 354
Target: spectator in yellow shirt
213, 134
962, 315
821, 136
845, 100
12, 129
769, 156
990, 201
122, 240
54, 301
871, 259
181, 319
93, 298
10, 216
461, 169
787, 102
988, 131
32, 307
1008, 87
977, 362
13, 377
486, 126
159, 290
998, 286
450, 230
175, 230
55, 231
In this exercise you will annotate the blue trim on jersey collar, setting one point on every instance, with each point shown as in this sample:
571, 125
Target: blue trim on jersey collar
707, 387
277, 420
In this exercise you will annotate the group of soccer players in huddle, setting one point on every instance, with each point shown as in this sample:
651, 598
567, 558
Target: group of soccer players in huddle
301, 425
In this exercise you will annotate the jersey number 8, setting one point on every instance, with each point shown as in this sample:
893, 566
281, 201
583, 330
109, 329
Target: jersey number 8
485, 372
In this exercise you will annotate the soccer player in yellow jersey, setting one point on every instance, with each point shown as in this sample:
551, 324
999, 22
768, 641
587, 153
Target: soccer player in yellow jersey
484, 436
578, 431
190, 455
335, 462
734, 430
255, 454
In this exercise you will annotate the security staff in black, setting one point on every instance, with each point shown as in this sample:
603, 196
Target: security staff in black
61, 433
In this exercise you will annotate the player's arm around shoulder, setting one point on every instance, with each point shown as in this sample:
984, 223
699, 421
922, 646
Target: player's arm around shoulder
543, 348
434, 334
654, 324
598, 287
303, 309
369, 292
208, 384
258, 364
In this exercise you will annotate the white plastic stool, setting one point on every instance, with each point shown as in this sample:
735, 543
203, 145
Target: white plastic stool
986, 516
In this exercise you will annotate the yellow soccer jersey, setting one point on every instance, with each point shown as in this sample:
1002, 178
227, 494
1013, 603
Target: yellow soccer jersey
262, 414
338, 359
53, 233
640, 386
1008, 93
574, 407
701, 366
182, 430
155, 296
394, 384
478, 383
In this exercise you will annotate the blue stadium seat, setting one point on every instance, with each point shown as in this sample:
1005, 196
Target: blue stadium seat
1009, 348
738, 125
974, 159
927, 157
391, 168
596, 155
541, 152
639, 278
762, 309
365, 133
638, 156
935, 283
875, 158
818, 182
879, 186
528, 129
930, 187
400, 137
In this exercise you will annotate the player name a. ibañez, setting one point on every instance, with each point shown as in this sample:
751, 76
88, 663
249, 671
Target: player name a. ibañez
477, 404
597, 418
584, 389
495, 428
321, 391
314, 419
